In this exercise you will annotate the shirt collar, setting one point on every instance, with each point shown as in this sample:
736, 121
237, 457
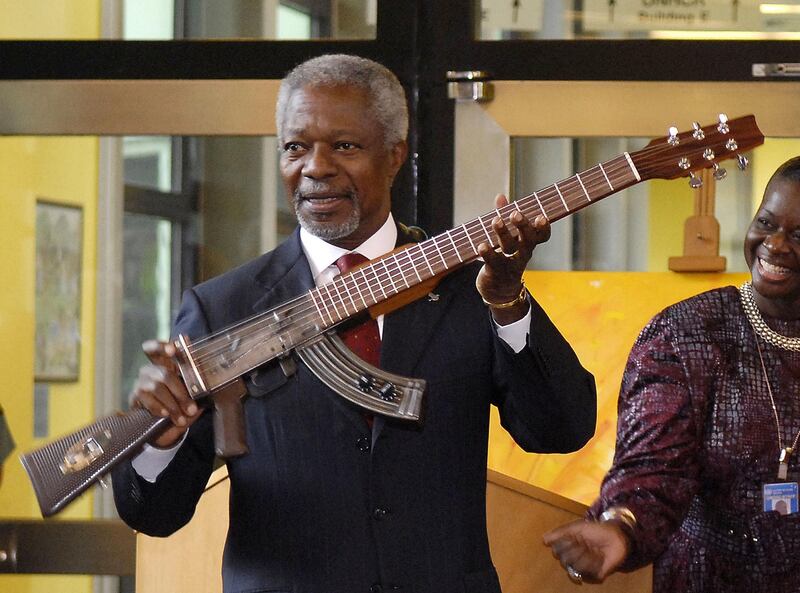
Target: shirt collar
321, 254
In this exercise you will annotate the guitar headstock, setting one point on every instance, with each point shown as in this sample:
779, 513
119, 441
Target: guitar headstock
681, 154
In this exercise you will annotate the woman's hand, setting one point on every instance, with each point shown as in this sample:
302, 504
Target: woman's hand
588, 550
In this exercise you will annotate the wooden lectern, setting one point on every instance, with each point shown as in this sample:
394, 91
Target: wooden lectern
518, 515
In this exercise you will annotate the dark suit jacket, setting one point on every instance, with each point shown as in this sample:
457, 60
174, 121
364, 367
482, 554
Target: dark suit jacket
323, 505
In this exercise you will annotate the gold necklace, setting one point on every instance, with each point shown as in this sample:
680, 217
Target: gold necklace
786, 452
760, 326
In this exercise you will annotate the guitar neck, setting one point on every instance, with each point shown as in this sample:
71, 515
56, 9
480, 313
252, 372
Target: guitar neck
228, 354
222, 357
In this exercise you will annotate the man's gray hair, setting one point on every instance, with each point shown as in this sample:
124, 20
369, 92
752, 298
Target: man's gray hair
387, 98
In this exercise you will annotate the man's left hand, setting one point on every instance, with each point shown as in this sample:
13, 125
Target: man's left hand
500, 280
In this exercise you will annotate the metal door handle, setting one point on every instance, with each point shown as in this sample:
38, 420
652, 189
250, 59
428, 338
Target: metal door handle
776, 69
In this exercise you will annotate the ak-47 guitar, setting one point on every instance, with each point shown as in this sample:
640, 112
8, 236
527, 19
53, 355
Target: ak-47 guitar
212, 368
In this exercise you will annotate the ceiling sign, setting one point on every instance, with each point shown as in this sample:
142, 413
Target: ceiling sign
685, 15
512, 15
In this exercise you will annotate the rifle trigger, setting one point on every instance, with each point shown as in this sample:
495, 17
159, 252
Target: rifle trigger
288, 365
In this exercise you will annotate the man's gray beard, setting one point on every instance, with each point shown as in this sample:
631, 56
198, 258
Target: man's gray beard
328, 231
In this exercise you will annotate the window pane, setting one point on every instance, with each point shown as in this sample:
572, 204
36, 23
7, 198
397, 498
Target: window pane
148, 19
148, 161
638, 19
636, 229
256, 19
147, 280
191, 19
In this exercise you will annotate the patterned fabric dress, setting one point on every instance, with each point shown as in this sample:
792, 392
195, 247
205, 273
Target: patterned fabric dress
696, 442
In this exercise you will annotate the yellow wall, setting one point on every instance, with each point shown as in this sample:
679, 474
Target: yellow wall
671, 202
600, 314
61, 170
50, 19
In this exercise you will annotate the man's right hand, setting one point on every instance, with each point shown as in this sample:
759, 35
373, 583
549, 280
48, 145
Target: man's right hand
160, 390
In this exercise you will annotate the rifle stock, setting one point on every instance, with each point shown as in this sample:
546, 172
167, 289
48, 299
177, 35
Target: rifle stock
63, 469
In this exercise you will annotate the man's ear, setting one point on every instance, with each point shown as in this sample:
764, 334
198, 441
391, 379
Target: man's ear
397, 155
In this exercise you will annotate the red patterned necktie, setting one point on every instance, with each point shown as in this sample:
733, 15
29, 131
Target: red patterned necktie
363, 339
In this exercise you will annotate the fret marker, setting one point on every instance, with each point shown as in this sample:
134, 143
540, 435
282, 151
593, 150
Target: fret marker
399, 269
314, 300
578, 177
413, 265
485, 230
632, 166
330, 297
427, 261
325, 306
538, 201
604, 175
563, 201
444, 262
466, 232
389, 274
450, 236
367, 283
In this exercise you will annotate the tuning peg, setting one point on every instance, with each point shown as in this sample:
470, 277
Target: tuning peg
708, 154
719, 172
698, 133
742, 162
731, 144
694, 181
723, 128
673, 136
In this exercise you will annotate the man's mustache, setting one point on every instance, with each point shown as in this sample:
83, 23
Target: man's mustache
318, 189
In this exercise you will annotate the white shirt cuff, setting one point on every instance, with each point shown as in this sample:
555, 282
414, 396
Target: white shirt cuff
515, 334
152, 460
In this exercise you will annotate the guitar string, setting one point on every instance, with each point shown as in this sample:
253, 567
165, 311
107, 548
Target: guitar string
354, 288
593, 178
546, 197
299, 322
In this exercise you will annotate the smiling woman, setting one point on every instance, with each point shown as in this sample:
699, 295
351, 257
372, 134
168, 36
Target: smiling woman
708, 426
772, 245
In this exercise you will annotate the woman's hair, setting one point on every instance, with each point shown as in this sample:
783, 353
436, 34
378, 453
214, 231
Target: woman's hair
387, 99
789, 170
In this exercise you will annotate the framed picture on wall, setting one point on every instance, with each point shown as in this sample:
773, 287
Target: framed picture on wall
59, 234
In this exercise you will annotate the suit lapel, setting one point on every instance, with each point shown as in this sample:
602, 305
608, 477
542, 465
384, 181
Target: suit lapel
285, 275
407, 331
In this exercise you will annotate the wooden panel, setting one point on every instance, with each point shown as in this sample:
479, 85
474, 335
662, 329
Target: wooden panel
621, 108
190, 561
518, 515
162, 107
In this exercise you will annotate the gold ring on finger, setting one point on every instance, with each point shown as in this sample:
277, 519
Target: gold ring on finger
574, 575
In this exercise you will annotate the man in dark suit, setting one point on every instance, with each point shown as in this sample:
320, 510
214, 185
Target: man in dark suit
327, 501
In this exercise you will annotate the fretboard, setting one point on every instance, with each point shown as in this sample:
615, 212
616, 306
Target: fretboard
226, 355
